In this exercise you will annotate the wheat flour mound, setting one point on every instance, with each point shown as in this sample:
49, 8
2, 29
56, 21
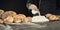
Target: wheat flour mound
39, 19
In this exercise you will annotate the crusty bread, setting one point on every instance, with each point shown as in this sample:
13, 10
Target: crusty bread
17, 19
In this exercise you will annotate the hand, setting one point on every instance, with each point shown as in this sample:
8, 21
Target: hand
33, 7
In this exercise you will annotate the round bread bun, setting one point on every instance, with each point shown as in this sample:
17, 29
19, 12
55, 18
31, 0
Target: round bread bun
53, 17
22, 16
9, 19
19, 18
8, 13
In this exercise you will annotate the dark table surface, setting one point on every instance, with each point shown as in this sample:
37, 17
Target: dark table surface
33, 26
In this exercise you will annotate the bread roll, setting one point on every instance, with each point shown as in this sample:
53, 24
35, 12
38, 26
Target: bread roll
8, 13
22, 16
9, 19
19, 18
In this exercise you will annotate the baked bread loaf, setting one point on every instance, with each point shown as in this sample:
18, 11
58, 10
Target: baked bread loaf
19, 18
9, 19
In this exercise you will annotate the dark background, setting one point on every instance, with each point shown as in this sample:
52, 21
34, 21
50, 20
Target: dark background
19, 6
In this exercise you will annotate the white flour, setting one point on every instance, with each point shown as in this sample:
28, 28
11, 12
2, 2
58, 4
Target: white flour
39, 19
